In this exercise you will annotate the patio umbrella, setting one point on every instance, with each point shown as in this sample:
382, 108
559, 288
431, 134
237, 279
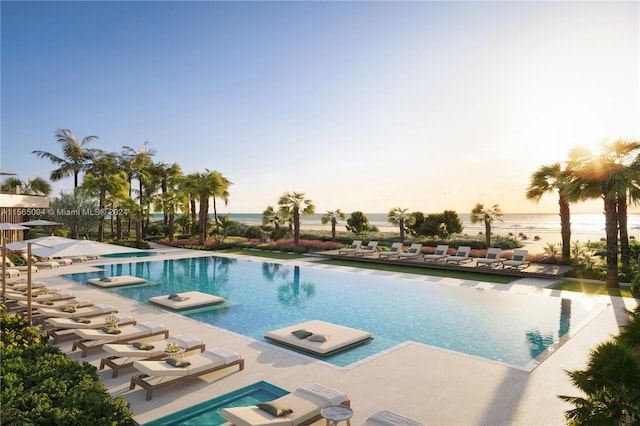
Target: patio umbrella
40, 222
4, 173
47, 241
81, 248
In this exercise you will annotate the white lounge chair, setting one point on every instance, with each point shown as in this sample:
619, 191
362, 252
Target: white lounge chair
519, 260
492, 258
461, 256
157, 374
393, 252
389, 418
95, 339
439, 254
414, 251
372, 247
21, 268
305, 404
124, 355
355, 245
58, 328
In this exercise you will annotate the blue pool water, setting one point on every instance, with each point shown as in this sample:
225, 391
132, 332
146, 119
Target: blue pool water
132, 254
208, 412
263, 296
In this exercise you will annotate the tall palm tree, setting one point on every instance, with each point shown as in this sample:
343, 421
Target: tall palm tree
296, 203
75, 157
140, 165
610, 174
487, 216
333, 217
169, 176
207, 184
399, 216
552, 178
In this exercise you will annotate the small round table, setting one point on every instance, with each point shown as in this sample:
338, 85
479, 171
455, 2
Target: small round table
337, 413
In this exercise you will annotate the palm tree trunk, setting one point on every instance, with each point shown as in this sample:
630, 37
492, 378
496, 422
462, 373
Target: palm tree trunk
202, 218
611, 228
402, 230
333, 229
296, 226
565, 228
487, 232
172, 217
624, 231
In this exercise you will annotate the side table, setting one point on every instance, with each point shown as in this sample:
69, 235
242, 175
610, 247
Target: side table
337, 413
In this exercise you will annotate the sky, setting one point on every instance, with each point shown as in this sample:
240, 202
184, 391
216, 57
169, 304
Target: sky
423, 105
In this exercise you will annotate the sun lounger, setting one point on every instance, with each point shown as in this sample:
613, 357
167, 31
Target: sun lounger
73, 310
414, 251
58, 328
393, 252
319, 337
461, 256
305, 404
492, 258
57, 304
389, 418
158, 374
123, 355
355, 245
35, 297
94, 339
186, 300
372, 247
439, 254
116, 281
519, 260
21, 268
11, 272
63, 261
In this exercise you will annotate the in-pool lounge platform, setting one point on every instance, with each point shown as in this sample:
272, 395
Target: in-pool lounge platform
186, 300
319, 337
116, 281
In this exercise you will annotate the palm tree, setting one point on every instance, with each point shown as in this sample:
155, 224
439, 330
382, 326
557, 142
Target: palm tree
271, 216
75, 157
296, 203
611, 174
551, 178
333, 217
207, 184
169, 176
486, 215
140, 165
398, 216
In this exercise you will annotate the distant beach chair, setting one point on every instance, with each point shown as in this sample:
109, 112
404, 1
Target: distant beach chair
414, 251
439, 254
461, 256
519, 260
393, 252
355, 245
492, 258
372, 247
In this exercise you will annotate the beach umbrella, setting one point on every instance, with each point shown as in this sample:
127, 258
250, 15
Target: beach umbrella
47, 241
81, 248
5, 173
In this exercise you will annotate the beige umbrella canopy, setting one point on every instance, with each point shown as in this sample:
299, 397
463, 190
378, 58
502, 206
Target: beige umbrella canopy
81, 248
5, 173
40, 222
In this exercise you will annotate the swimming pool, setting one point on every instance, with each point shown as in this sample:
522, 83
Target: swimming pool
263, 296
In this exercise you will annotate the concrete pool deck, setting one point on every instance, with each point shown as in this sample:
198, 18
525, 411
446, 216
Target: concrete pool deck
430, 385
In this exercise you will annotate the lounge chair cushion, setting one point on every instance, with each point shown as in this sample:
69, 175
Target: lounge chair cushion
274, 408
301, 334
517, 258
82, 320
111, 330
143, 346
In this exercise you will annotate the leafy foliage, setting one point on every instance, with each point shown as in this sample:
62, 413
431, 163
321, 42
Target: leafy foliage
60, 391
358, 223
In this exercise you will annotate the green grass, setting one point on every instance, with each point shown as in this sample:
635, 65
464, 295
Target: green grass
593, 288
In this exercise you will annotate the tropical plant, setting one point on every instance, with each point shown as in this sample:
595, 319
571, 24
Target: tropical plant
138, 164
75, 210
297, 204
551, 250
486, 215
333, 217
75, 157
399, 217
611, 174
548, 179
207, 184
358, 223
273, 217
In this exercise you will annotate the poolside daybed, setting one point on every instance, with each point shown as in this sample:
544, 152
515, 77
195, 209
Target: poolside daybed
58, 328
116, 281
157, 374
389, 418
95, 339
186, 300
306, 402
123, 355
319, 337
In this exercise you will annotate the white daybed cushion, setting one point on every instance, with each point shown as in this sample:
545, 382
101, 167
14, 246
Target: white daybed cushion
116, 281
338, 336
189, 300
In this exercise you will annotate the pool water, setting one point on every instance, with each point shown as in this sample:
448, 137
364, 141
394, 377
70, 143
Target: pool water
208, 412
263, 296
132, 254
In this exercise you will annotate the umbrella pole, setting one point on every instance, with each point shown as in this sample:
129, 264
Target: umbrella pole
29, 282
4, 268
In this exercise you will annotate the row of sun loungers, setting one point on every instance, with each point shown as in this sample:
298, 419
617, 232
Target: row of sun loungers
441, 254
